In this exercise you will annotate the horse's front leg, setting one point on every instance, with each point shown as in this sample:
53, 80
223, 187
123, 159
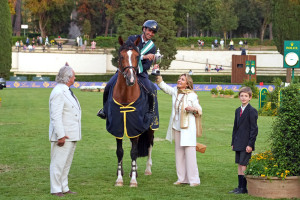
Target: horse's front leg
134, 155
150, 134
120, 172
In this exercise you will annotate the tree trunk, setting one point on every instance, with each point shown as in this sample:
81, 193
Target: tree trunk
42, 24
225, 38
179, 31
17, 25
271, 31
107, 26
262, 30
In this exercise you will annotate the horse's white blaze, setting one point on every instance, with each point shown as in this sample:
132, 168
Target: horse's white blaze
129, 53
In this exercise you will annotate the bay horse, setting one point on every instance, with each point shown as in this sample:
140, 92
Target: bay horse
128, 111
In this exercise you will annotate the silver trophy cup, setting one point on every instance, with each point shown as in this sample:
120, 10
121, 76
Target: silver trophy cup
157, 60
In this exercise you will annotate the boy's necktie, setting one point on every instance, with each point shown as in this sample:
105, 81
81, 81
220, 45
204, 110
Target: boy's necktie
241, 112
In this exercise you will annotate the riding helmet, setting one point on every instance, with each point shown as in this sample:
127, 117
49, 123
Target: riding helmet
151, 24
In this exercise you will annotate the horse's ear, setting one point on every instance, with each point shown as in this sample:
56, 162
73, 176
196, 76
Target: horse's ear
121, 42
137, 41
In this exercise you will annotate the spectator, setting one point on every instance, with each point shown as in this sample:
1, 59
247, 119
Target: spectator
17, 45
80, 41
231, 45
47, 41
190, 72
27, 41
222, 44
77, 40
206, 68
59, 46
202, 43
199, 43
30, 48
241, 44
41, 40
93, 45
33, 41
21, 44
24, 47
212, 45
85, 43
246, 44
38, 40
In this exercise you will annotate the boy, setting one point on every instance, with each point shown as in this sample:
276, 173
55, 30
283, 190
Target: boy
243, 136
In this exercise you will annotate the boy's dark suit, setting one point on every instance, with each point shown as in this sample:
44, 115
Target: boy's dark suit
245, 129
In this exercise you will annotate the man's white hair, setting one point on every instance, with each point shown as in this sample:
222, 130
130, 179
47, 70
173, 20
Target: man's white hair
64, 74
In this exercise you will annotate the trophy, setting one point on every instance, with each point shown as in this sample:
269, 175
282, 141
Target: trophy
157, 60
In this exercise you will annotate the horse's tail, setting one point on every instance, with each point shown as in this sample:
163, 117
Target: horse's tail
145, 140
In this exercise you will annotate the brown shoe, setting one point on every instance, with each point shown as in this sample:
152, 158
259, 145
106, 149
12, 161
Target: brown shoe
70, 192
59, 194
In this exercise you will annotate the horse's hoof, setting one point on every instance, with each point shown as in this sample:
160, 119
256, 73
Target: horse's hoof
148, 173
119, 184
133, 184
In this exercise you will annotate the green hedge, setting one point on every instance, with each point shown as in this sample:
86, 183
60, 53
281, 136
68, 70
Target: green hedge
198, 79
106, 42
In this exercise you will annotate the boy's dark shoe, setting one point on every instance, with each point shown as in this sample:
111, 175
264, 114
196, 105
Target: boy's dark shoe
241, 191
101, 114
234, 190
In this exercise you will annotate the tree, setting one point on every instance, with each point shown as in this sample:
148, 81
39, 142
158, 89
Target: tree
182, 9
86, 28
133, 14
5, 38
225, 20
265, 9
248, 15
39, 9
287, 27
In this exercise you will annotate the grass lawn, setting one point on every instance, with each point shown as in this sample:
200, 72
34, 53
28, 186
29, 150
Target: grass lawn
25, 151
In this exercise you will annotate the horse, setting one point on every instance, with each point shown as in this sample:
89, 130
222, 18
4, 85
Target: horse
128, 103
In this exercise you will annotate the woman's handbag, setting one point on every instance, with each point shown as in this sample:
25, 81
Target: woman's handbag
200, 147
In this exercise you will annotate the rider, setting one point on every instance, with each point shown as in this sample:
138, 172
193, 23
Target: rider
149, 29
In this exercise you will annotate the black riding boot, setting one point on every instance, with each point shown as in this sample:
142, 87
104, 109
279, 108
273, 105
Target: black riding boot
239, 184
243, 189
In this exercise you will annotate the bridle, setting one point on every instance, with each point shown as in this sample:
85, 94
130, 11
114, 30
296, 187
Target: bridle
128, 46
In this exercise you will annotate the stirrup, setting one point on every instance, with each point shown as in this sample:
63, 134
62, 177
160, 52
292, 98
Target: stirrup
101, 114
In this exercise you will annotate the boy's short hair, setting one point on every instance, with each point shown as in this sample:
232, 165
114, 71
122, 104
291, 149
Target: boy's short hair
246, 90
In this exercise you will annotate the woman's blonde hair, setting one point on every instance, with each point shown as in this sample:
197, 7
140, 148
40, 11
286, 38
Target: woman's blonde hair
189, 81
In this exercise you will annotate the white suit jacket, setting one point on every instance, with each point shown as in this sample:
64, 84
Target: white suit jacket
65, 114
188, 135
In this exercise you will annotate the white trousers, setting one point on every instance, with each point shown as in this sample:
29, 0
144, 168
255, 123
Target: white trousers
186, 162
61, 160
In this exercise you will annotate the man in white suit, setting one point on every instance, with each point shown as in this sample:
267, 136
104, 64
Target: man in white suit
64, 130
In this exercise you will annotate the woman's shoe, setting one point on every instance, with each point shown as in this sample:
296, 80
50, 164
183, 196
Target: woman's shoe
194, 184
177, 183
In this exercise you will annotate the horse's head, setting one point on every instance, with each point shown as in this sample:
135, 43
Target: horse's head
129, 56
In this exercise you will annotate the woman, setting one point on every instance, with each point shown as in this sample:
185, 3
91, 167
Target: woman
184, 127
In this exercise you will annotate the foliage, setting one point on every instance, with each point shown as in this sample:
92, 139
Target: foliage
214, 91
252, 85
106, 42
287, 27
226, 19
228, 92
86, 28
5, 38
265, 165
222, 92
285, 135
39, 9
132, 16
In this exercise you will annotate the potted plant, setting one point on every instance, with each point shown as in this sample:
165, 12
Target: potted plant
221, 93
276, 173
214, 92
228, 93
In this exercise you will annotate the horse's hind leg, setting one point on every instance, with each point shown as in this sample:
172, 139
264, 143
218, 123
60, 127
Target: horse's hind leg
120, 153
134, 155
150, 134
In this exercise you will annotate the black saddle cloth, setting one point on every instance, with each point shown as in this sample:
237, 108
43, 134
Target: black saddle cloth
133, 119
